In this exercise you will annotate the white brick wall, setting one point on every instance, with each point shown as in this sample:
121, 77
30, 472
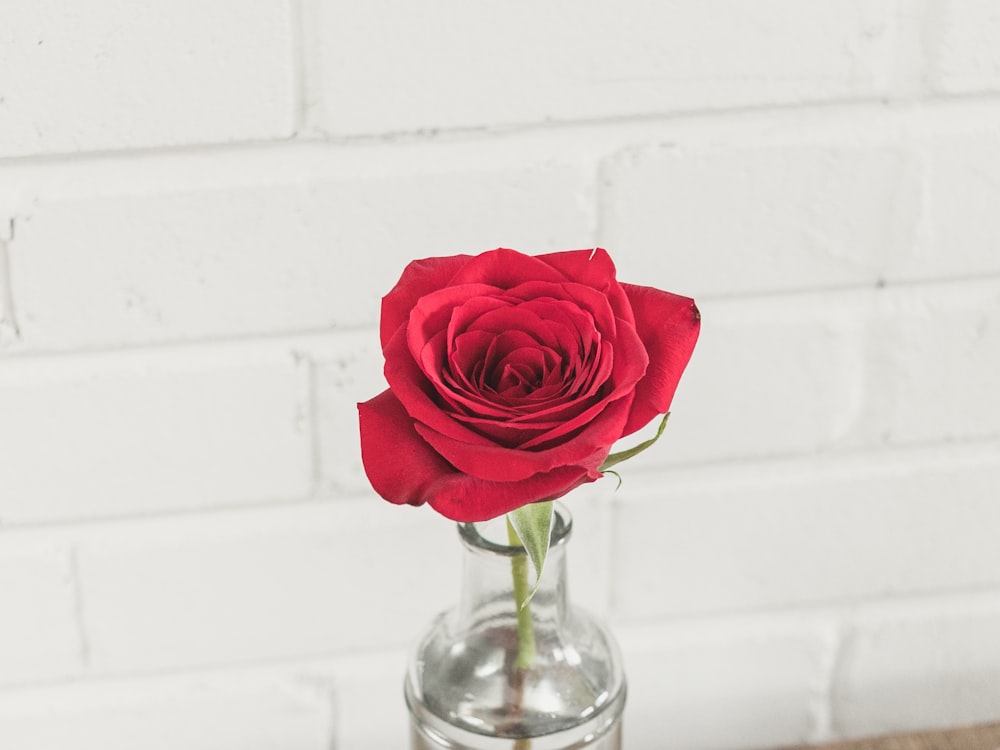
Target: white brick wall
142, 432
806, 532
106, 76
754, 682
201, 205
39, 634
945, 666
191, 262
253, 709
962, 49
260, 585
826, 215
387, 66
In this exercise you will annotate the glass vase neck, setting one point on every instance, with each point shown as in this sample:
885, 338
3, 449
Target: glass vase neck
490, 564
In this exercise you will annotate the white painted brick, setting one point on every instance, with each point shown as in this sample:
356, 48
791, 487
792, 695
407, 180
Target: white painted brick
935, 664
936, 352
731, 219
313, 580
961, 226
803, 533
212, 711
386, 66
769, 376
909, 78
263, 259
371, 711
714, 686
139, 74
961, 38
39, 637
134, 433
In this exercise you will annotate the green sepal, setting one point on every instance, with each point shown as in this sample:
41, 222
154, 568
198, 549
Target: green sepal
614, 459
533, 525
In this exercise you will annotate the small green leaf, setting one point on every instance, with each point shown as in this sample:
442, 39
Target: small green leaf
614, 459
533, 525
617, 476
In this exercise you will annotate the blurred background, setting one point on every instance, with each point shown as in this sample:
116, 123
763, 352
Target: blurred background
201, 205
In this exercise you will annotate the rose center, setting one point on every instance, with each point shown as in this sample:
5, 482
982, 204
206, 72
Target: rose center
523, 372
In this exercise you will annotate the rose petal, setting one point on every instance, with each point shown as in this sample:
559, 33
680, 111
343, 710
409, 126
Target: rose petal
585, 299
400, 465
431, 313
404, 470
594, 269
521, 372
576, 422
469, 499
505, 268
419, 278
668, 325
418, 395
487, 460
512, 433
468, 312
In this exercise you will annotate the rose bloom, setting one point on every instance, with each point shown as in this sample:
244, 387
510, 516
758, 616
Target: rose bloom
511, 376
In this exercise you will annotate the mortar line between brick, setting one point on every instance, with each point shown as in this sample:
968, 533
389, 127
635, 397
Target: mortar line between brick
888, 282
8, 313
822, 709
846, 639
299, 67
315, 449
291, 665
78, 610
333, 740
733, 116
241, 342
165, 514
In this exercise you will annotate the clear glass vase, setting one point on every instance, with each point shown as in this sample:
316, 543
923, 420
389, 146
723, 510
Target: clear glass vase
465, 688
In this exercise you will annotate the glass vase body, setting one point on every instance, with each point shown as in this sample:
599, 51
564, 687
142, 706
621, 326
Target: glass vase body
465, 688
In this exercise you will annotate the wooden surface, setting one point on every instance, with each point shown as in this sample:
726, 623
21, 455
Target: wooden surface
971, 738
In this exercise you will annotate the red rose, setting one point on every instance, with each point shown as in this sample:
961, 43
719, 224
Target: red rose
511, 376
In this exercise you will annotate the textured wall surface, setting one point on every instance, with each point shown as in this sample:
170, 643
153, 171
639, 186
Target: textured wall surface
201, 204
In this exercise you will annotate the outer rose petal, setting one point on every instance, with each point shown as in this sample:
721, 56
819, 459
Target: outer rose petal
506, 269
400, 465
588, 449
464, 498
668, 325
403, 469
420, 277
593, 268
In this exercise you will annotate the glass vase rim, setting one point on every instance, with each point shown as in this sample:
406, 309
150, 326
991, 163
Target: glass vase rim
562, 527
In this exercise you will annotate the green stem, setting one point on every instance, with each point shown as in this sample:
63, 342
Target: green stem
525, 628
